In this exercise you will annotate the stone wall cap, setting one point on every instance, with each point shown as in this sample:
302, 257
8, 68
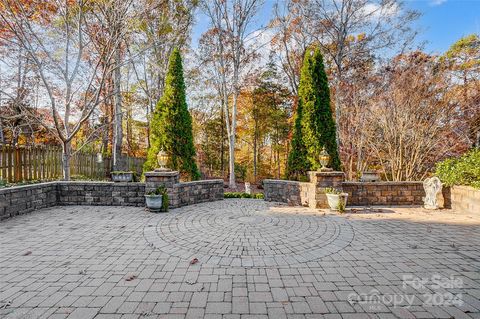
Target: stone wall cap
325, 173
465, 187
200, 182
386, 183
6, 190
283, 181
161, 173
100, 183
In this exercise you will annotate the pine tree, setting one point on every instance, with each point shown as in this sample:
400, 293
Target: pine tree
314, 124
318, 126
171, 124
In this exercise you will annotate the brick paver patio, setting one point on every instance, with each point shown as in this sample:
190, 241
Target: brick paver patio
255, 260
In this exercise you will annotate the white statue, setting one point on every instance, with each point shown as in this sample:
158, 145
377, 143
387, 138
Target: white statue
432, 187
248, 188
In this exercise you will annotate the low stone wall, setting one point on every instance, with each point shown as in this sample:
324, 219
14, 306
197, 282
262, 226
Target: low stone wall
19, 200
360, 193
465, 199
384, 193
101, 193
196, 192
291, 192
24, 199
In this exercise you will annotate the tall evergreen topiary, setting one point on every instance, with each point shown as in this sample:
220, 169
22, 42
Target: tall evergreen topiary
314, 124
318, 126
171, 124
297, 165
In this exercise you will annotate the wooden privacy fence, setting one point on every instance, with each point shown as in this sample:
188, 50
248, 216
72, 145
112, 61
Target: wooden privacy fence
20, 163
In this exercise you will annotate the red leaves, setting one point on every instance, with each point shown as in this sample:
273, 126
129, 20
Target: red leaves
193, 261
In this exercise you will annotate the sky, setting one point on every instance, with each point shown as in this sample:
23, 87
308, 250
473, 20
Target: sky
442, 22
445, 21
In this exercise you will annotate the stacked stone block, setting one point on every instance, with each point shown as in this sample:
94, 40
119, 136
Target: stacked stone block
155, 179
384, 193
360, 193
101, 193
290, 192
197, 192
465, 199
23, 199
181, 194
321, 180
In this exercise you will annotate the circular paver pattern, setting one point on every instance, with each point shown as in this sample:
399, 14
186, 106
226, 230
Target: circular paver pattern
247, 233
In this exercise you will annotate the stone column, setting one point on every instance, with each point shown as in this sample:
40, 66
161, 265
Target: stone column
155, 179
321, 180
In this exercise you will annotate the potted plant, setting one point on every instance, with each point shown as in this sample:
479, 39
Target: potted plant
121, 176
157, 201
337, 200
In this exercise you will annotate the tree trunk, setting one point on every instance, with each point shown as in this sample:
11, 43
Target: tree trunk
118, 130
337, 114
255, 152
231, 146
2, 137
66, 153
222, 146
231, 161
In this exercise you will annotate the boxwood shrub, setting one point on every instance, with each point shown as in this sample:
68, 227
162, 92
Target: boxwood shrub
243, 195
464, 170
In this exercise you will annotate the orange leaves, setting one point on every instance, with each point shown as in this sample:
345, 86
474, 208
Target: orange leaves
40, 11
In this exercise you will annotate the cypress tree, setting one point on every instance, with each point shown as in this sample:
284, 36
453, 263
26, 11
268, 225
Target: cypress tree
318, 126
297, 165
171, 124
314, 124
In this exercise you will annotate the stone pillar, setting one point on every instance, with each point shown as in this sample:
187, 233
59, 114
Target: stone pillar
321, 180
155, 179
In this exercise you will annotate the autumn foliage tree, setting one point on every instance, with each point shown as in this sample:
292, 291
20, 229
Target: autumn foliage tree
53, 35
411, 122
462, 64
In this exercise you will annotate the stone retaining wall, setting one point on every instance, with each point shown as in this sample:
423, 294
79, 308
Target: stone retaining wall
23, 199
196, 192
291, 192
465, 199
384, 193
360, 193
101, 193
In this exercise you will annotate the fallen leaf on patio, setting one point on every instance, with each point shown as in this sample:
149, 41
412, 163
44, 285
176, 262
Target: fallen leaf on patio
191, 282
193, 261
27, 253
130, 278
5, 305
